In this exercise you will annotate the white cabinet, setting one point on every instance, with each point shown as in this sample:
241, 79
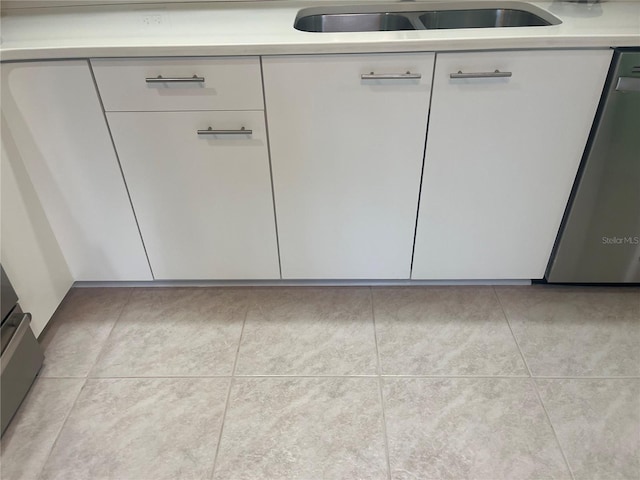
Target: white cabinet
203, 202
347, 138
346, 155
55, 129
501, 158
29, 250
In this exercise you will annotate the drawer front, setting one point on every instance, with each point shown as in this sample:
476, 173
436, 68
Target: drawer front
229, 83
203, 201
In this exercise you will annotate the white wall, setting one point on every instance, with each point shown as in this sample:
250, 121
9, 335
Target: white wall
29, 251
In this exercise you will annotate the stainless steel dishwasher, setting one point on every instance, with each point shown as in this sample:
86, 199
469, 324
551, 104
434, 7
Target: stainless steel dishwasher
599, 241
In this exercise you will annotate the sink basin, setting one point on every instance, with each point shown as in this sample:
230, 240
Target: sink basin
403, 16
481, 18
354, 22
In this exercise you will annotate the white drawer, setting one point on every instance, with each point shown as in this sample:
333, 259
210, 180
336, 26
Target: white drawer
226, 83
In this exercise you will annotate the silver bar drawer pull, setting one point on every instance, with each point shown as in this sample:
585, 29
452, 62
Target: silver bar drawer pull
391, 76
211, 131
494, 74
628, 84
161, 79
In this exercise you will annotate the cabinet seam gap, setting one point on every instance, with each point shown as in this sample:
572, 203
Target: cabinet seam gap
124, 180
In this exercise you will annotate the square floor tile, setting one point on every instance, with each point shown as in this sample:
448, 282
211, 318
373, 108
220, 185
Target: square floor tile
598, 425
484, 429
444, 331
79, 329
28, 439
309, 331
141, 429
175, 332
303, 428
576, 331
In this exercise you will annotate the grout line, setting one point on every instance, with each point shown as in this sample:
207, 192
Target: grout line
226, 405
535, 387
513, 335
106, 340
391, 376
560, 377
152, 377
64, 423
306, 376
379, 367
244, 322
497, 377
124, 377
237, 376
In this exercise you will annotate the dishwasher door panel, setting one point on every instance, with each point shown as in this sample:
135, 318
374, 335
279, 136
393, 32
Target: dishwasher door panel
600, 239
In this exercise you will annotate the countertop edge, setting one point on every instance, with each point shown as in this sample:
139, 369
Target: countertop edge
7, 55
192, 30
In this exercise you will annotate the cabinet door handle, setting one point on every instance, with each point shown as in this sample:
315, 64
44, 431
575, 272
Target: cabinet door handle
494, 74
628, 84
161, 79
391, 76
211, 131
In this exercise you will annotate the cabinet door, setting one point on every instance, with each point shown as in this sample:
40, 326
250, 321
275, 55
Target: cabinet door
203, 202
346, 154
501, 157
30, 253
56, 131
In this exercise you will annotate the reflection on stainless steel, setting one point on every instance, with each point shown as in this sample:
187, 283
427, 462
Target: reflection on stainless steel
380, 18
21, 355
211, 131
600, 239
391, 76
354, 22
481, 18
494, 74
161, 79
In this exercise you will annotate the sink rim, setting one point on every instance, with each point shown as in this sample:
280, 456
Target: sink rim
422, 8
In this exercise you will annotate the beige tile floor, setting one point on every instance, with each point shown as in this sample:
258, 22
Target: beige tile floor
482, 383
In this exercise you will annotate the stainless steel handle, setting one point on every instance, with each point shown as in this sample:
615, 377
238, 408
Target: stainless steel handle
161, 79
628, 84
494, 74
23, 326
391, 76
211, 131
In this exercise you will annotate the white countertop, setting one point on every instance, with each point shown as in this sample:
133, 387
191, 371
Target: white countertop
267, 28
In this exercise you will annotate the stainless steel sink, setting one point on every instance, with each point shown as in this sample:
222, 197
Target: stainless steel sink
409, 16
354, 22
481, 18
